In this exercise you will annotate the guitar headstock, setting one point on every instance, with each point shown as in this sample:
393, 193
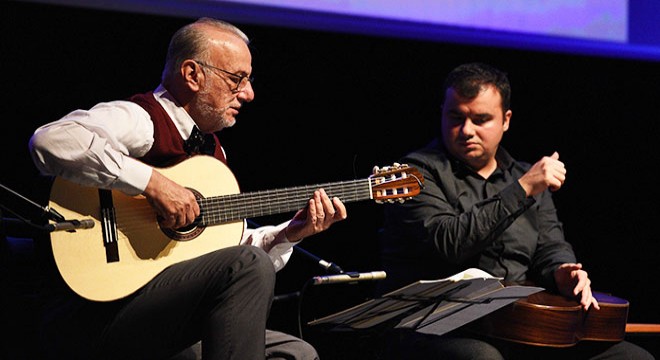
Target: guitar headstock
397, 182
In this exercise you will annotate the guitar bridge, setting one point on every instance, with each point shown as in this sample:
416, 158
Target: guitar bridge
109, 226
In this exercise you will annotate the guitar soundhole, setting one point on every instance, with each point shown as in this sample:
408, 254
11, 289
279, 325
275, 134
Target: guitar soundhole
187, 232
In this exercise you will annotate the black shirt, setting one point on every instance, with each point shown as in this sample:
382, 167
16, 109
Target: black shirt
461, 220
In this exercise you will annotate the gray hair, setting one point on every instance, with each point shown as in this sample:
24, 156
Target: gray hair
189, 42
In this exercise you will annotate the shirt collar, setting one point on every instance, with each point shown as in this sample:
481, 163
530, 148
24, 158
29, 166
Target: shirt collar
182, 120
504, 159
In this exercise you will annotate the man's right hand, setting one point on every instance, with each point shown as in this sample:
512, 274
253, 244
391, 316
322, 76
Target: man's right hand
548, 172
573, 282
175, 205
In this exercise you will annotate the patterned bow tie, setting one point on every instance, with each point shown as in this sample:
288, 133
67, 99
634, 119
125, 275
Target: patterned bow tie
199, 143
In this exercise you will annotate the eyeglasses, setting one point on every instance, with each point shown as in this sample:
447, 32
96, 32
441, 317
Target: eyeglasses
240, 80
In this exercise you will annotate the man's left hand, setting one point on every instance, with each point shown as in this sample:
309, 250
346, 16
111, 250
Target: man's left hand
319, 214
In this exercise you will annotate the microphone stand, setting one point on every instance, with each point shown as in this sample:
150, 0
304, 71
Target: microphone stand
19, 223
50, 213
327, 265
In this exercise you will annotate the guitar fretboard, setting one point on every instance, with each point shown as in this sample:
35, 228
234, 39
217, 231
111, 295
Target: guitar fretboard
227, 208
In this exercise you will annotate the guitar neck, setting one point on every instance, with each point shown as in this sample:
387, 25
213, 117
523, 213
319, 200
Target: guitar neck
228, 208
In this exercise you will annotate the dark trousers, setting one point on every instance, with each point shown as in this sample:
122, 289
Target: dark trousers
406, 344
279, 346
221, 298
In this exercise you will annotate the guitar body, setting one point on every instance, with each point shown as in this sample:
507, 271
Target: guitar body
126, 248
545, 319
144, 250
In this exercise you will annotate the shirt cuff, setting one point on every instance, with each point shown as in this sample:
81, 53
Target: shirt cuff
134, 177
514, 198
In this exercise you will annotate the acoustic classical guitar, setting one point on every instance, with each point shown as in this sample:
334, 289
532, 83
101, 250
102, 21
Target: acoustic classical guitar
126, 248
546, 319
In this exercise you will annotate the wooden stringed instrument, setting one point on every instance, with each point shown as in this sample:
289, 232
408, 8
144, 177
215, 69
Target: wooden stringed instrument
546, 319
126, 248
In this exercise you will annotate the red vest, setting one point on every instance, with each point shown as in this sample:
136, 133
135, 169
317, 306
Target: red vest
167, 149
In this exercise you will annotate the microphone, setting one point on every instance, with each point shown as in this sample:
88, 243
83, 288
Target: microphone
348, 277
70, 225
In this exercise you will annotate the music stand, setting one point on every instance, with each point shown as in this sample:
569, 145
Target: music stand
431, 306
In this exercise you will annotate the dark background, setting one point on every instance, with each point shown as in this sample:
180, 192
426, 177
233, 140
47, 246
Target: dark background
330, 106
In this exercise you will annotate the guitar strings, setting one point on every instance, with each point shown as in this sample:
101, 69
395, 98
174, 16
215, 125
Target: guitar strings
253, 204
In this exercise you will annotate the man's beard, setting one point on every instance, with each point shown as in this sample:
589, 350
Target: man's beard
210, 113
215, 115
